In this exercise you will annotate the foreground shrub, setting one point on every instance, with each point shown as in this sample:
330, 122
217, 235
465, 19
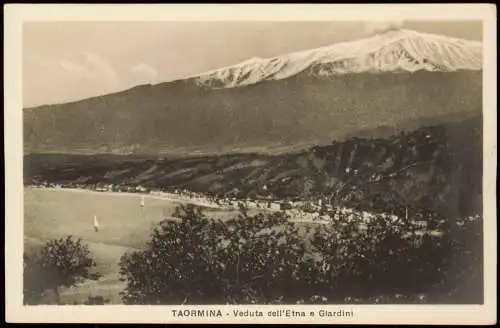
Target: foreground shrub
266, 259
177, 265
386, 257
462, 268
197, 260
365, 258
63, 262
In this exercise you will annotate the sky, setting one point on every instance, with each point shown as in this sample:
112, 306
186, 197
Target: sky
68, 61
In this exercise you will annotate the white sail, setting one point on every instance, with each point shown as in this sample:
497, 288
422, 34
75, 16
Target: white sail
142, 201
96, 224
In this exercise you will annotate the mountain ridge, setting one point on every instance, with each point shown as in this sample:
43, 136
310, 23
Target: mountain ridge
395, 50
301, 110
476, 45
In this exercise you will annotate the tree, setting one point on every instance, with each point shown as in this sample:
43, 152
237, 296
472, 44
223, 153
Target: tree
176, 265
370, 257
63, 262
247, 259
265, 259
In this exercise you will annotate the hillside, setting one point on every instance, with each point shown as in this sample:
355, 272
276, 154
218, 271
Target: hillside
437, 167
180, 117
274, 105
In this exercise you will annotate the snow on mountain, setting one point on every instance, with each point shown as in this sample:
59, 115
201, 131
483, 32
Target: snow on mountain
392, 51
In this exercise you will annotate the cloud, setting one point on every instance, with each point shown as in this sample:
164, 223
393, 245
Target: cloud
73, 76
375, 27
101, 68
90, 67
145, 71
75, 68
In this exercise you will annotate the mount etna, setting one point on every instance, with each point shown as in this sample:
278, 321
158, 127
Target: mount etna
290, 102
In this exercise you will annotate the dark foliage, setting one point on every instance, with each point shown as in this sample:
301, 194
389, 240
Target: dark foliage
197, 260
389, 257
266, 259
62, 262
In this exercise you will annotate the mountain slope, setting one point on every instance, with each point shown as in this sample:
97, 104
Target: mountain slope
393, 51
287, 110
436, 167
180, 118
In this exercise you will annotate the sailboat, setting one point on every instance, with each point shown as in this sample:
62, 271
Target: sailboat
142, 201
96, 224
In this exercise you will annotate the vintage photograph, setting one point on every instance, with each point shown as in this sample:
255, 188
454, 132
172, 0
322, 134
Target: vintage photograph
253, 163
243, 163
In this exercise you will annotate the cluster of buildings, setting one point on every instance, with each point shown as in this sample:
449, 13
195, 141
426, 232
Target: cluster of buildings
102, 187
297, 210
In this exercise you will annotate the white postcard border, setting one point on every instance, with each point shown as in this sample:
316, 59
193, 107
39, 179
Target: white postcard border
16, 14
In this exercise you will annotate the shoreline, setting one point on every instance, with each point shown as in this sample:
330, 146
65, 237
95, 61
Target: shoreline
306, 218
172, 198
163, 196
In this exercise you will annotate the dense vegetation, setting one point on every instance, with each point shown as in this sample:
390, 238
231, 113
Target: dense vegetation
63, 262
265, 259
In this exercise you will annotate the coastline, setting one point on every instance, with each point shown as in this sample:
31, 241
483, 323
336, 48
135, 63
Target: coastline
176, 199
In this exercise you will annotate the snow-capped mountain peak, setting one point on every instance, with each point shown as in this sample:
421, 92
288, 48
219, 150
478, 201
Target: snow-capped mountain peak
392, 51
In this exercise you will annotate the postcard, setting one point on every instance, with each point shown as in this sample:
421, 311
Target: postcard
330, 164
